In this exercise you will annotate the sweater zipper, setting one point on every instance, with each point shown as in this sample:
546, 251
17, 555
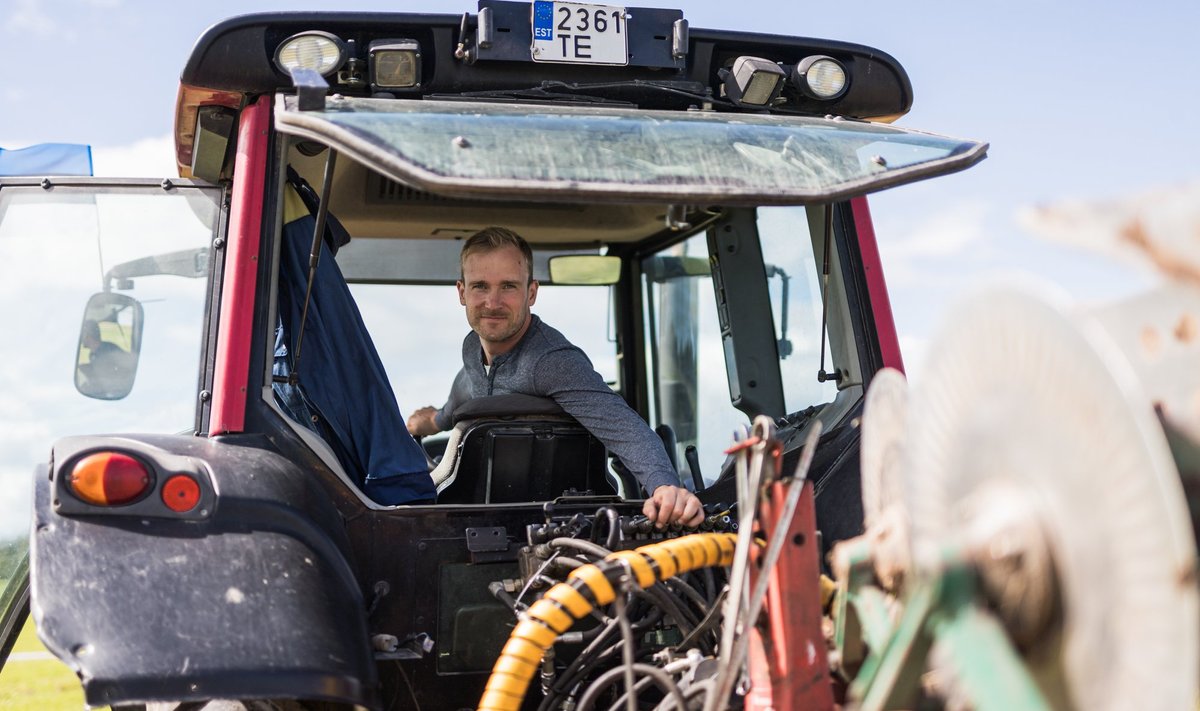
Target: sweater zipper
491, 373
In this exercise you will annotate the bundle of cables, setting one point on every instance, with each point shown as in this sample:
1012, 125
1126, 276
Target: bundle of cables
668, 619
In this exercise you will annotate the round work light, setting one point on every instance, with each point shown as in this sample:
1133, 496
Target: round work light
821, 77
320, 51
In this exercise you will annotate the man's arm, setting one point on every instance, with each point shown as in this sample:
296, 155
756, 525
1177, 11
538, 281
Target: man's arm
568, 378
431, 420
422, 422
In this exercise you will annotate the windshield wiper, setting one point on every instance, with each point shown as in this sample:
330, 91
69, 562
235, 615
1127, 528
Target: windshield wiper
632, 93
639, 87
533, 95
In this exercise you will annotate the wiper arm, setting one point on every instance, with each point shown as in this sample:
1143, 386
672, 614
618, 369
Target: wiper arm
643, 89
622, 93
534, 94
690, 89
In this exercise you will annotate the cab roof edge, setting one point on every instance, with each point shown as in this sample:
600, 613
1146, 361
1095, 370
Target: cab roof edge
236, 54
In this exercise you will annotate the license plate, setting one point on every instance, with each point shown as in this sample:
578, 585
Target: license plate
576, 33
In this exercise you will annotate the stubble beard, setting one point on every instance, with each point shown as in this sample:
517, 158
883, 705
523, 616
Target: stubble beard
512, 328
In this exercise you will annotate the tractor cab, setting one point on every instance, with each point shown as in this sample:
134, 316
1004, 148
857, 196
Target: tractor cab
695, 203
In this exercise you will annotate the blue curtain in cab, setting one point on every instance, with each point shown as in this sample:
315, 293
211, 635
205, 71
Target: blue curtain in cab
342, 393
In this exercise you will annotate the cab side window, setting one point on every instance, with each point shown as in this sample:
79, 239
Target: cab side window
685, 363
793, 270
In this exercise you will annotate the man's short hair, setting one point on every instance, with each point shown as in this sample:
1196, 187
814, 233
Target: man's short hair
492, 238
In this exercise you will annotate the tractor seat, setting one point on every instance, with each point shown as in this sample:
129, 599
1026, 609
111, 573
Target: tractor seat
517, 448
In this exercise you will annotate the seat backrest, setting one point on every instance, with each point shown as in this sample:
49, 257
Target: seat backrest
513, 448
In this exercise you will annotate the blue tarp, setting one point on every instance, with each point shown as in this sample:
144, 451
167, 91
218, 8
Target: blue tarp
343, 392
47, 159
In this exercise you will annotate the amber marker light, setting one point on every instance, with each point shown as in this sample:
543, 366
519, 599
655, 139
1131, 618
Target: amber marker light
190, 100
181, 493
109, 479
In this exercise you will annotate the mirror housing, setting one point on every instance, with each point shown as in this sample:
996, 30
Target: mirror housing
110, 340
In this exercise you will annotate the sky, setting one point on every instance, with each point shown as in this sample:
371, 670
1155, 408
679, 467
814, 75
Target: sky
1078, 99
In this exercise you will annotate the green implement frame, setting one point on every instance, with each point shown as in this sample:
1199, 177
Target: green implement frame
942, 610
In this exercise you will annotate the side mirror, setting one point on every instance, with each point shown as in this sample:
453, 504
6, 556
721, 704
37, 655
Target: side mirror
110, 340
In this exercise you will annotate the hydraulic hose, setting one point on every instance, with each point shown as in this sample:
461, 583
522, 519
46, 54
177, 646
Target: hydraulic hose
588, 587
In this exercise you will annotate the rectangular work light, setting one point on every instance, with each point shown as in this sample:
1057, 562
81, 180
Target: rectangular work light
753, 81
394, 64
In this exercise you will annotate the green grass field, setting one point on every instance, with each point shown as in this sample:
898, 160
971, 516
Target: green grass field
33, 680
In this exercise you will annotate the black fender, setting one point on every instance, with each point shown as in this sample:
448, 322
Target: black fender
250, 595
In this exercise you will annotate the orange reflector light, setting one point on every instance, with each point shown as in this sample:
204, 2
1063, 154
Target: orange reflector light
181, 493
109, 479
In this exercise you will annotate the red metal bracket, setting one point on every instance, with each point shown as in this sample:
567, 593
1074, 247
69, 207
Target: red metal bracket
788, 658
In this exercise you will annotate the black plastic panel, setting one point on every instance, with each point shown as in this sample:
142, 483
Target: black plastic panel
237, 55
256, 601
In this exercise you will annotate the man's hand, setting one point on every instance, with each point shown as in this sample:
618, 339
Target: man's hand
673, 504
422, 423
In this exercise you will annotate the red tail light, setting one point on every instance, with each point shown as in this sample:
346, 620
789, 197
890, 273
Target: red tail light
181, 493
109, 479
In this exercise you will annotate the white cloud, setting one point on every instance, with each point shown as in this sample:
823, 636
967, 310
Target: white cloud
948, 233
28, 17
933, 249
931, 259
914, 348
16, 501
13, 95
149, 157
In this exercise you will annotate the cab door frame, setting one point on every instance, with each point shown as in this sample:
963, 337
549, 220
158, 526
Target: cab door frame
14, 607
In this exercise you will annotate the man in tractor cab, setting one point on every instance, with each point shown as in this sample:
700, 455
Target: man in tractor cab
108, 364
510, 350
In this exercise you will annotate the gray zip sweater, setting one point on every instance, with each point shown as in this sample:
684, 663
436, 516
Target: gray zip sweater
546, 364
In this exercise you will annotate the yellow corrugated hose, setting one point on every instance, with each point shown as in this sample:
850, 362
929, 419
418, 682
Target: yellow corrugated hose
587, 587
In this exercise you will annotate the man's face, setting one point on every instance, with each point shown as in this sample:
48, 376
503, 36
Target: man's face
497, 293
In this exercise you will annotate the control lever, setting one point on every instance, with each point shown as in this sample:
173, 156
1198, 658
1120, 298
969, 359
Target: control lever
693, 462
667, 435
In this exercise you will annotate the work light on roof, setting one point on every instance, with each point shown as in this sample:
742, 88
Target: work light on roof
753, 81
820, 77
319, 51
394, 64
